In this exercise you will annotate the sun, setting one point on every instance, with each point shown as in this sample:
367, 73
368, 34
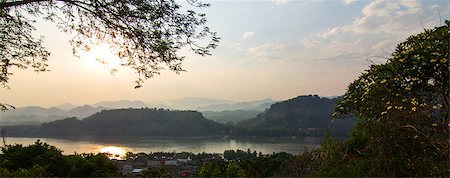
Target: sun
102, 56
114, 152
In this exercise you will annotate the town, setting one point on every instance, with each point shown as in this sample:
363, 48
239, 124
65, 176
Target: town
186, 164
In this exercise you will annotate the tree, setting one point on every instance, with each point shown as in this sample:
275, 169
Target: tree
234, 170
403, 107
43, 160
145, 34
206, 170
33, 158
229, 154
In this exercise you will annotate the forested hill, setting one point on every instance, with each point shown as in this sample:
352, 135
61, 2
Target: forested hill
125, 123
301, 116
297, 116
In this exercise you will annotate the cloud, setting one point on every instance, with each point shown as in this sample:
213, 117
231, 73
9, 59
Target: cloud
248, 35
372, 36
268, 50
280, 2
347, 2
369, 37
310, 43
382, 16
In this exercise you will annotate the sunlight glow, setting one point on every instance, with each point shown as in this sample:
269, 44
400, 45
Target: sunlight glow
114, 152
102, 56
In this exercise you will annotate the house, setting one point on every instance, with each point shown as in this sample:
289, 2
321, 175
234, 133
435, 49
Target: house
136, 171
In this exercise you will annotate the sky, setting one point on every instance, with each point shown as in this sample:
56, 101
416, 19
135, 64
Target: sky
275, 49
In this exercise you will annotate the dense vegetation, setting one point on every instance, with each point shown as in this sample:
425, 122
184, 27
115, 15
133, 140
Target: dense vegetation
247, 164
230, 116
43, 160
403, 110
125, 123
308, 115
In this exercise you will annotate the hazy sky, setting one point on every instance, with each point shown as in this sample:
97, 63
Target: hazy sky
269, 49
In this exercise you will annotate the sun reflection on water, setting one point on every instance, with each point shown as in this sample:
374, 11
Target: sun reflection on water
114, 152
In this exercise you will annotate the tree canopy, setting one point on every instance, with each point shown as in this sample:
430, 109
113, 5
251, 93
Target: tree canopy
43, 160
403, 107
145, 34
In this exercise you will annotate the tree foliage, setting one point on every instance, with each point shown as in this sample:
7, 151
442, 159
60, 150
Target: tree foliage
43, 160
145, 34
247, 164
306, 115
125, 123
403, 107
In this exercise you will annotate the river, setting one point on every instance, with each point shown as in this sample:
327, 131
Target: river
167, 145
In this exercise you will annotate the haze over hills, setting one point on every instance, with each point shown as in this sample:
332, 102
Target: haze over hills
34, 110
259, 105
66, 106
120, 104
297, 117
38, 115
84, 111
125, 123
232, 117
188, 103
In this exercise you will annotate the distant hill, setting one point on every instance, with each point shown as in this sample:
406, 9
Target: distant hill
84, 111
28, 119
66, 106
208, 104
33, 110
296, 116
188, 103
259, 105
120, 104
233, 116
35, 115
125, 123
31, 115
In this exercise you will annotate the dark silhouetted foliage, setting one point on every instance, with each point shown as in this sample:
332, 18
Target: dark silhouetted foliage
126, 123
43, 160
145, 35
403, 110
308, 115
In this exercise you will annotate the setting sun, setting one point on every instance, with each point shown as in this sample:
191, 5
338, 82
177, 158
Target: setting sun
102, 56
114, 152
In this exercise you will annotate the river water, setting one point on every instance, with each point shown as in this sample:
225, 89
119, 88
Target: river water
167, 145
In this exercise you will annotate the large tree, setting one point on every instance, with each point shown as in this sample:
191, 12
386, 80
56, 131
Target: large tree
403, 107
145, 34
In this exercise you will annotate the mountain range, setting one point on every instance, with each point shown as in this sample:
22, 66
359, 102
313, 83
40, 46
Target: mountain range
37, 115
258, 105
120, 104
308, 115
207, 104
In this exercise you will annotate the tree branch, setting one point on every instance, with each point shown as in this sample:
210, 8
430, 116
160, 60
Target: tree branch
17, 3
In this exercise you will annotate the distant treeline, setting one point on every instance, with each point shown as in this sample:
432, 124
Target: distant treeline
125, 123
